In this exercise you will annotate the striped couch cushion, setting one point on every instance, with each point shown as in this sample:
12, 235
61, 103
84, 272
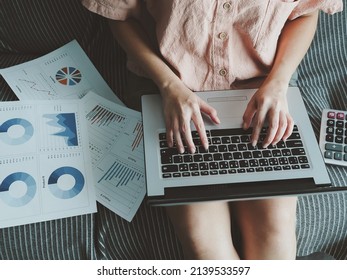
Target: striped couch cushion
321, 224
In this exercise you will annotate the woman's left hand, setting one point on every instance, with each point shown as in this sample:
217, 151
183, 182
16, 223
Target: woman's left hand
269, 103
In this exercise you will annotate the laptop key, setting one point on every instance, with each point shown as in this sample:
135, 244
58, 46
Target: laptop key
166, 159
198, 158
294, 144
208, 157
169, 168
187, 158
203, 166
213, 165
193, 167
217, 157
178, 159
183, 167
227, 156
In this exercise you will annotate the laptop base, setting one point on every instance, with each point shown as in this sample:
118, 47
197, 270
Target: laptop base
239, 191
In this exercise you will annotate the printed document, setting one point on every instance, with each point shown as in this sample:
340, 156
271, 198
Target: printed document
45, 166
116, 146
66, 73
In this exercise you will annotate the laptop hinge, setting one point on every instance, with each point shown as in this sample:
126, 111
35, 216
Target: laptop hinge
237, 191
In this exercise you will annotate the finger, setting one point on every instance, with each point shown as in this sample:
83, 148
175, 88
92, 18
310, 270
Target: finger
169, 133
258, 124
273, 117
200, 128
187, 134
282, 126
210, 111
249, 114
290, 127
178, 139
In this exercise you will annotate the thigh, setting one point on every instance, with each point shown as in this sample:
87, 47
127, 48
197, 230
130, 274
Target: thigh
204, 217
204, 230
272, 212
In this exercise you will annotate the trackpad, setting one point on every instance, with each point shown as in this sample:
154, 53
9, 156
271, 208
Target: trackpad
229, 106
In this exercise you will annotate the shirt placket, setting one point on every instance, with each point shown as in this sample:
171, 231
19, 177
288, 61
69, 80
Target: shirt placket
221, 44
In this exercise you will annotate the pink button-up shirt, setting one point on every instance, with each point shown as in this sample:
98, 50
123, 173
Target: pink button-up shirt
212, 44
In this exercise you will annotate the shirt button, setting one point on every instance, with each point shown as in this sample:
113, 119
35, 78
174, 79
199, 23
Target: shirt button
227, 6
222, 35
223, 72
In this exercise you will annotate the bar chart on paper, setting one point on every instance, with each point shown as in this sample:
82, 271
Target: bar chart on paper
105, 128
116, 146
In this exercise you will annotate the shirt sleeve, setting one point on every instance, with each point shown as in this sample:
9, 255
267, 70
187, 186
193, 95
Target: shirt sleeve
113, 9
309, 6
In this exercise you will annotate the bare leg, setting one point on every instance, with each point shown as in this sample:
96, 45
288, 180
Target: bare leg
204, 230
268, 228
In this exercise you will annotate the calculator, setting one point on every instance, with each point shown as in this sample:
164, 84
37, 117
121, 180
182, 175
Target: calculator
333, 136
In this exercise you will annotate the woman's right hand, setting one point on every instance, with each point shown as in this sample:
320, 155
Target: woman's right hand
181, 106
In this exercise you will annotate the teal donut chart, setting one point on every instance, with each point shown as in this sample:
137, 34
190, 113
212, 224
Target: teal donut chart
28, 131
20, 201
66, 194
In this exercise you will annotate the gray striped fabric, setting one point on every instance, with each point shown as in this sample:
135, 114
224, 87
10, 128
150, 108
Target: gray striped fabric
321, 225
322, 219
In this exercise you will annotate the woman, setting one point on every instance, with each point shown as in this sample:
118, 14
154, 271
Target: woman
187, 46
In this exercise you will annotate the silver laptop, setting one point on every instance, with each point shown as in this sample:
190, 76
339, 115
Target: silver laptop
231, 169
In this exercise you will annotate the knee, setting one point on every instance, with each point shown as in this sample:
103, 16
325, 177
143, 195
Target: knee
280, 221
273, 217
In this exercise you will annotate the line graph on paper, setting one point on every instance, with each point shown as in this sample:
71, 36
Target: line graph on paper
57, 78
34, 86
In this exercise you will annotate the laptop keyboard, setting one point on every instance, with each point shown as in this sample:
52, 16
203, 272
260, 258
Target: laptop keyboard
230, 152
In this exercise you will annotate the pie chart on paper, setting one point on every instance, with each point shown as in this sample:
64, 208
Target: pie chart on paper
68, 76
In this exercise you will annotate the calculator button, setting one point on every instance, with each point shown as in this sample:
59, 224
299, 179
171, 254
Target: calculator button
339, 139
339, 124
328, 154
333, 147
330, 122
340, 116
331, 115
339, 131
338, 156
330, 130
329, 138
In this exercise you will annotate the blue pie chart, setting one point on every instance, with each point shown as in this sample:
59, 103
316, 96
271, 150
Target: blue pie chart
6, 138
74, 190
18, 201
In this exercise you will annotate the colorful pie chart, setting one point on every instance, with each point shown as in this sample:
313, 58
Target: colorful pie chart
68, 76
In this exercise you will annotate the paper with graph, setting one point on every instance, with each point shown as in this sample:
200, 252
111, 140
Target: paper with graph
116, 146
45, 167
66, 73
